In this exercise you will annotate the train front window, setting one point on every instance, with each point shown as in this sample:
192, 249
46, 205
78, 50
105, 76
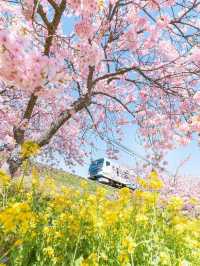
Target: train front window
96, 166
97, 163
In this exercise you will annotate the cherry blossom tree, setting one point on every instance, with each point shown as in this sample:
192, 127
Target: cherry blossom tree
70, 68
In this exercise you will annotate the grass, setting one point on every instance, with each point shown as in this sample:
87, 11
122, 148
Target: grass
63, 178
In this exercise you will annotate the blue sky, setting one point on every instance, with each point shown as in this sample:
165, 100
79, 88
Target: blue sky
191, 168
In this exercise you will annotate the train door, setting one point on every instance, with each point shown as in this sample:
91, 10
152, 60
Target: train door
116, 173
106, 170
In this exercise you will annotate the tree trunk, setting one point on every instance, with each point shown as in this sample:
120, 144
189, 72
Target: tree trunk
14, 162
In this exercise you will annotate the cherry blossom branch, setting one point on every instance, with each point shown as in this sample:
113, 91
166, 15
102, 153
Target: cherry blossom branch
113, 74
52, 27
77, 106
53, 4
42, 14
116, 99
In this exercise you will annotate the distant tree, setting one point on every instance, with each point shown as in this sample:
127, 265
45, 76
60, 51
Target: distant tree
71, 67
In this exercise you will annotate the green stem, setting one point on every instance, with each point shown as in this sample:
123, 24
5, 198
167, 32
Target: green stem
74, 255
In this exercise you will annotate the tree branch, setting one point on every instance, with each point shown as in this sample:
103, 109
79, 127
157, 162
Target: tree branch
116, 99
77, 106
43, 15
53, 4
52, 27
113, 74
90, 78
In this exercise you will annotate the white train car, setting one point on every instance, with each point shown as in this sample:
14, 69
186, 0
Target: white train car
105, 171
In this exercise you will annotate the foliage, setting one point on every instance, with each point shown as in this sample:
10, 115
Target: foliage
49, 225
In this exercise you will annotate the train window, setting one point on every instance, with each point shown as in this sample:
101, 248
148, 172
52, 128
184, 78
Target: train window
107, 163
117, 171
126, 174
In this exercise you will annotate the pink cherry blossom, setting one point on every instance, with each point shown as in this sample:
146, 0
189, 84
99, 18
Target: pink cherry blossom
84, 29
113, 66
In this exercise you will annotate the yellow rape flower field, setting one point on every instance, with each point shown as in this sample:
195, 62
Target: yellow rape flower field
43, 225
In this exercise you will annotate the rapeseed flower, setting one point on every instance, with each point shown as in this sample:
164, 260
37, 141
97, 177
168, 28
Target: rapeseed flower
4, 178
164, 258
94, 228
129, 244
123, 258
175, 203
141, 218
18, 242
49, 251
29, 148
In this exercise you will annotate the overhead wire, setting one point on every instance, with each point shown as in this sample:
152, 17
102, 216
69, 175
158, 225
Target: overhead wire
134, 154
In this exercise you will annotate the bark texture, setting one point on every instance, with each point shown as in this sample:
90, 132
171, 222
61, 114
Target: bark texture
15, 160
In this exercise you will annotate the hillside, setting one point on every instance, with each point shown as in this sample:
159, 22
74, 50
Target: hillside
67, 179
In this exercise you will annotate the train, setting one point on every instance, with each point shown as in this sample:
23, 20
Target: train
107, 172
